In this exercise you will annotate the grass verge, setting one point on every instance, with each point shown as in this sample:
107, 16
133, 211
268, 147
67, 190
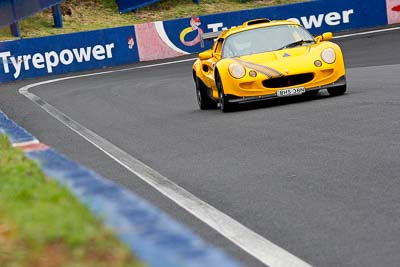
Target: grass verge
84, 15
42, 224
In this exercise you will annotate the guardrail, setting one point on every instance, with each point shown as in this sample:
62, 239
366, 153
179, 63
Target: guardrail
132, 5
11, 11
38, 57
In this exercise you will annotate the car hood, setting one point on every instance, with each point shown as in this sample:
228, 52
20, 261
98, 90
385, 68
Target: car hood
284, 54
276, 63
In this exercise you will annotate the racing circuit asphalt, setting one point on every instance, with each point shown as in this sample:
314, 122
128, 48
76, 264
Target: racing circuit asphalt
318, 177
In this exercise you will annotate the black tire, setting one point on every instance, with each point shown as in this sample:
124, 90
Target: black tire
338, 90
224, 105
203, 99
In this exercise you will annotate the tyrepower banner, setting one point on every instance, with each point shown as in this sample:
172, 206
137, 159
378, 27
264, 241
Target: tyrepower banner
182, 36
38, 57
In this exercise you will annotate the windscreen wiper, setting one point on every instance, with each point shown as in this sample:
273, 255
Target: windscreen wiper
297, 43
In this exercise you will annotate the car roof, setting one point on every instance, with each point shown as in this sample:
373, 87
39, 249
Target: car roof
255, 24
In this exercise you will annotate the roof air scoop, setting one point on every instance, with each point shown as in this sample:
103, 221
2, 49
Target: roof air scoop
256, 21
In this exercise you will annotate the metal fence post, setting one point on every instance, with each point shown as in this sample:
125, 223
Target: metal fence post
14, 27
57, 16
15, 31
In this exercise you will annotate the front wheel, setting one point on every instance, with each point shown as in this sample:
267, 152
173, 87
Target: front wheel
338, 90
202, 98
224, 105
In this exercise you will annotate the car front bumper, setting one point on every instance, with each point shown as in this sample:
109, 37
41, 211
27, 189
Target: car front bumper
241, 100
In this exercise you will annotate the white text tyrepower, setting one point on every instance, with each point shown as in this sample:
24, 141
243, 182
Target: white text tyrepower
52, 59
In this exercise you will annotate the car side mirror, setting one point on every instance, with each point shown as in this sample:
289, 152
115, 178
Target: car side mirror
327, 36
205, 55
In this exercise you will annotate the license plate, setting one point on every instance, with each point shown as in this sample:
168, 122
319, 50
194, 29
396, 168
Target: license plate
291, 91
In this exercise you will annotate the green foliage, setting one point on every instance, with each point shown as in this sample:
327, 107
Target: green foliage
36, 215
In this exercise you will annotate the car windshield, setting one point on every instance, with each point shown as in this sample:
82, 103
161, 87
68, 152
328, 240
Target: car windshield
265, 39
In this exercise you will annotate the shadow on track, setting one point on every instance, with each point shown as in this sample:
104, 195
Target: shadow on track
271, 103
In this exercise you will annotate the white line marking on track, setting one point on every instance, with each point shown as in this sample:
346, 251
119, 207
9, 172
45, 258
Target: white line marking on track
251, 242
256, 245
105, 72
366, 33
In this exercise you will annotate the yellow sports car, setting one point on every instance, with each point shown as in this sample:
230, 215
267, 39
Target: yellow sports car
264, 59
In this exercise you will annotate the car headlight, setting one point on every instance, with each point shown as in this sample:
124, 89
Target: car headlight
328, 55
236, 70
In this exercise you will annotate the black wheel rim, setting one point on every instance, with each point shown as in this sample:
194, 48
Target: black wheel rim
221, 93
198, 93
221, 100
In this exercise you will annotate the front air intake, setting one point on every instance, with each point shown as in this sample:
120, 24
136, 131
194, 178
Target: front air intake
287, 81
